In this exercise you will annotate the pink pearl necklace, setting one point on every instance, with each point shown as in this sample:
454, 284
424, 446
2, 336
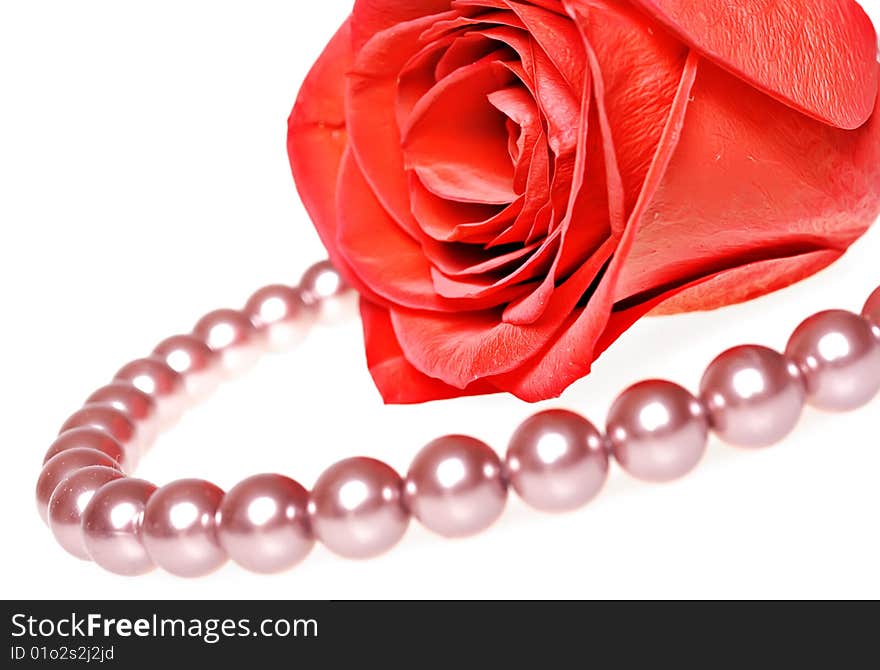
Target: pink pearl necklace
657, 431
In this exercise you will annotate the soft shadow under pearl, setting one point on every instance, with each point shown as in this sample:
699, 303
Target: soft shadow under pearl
111, 526
179, 529
557, 461
263, 523
658, 431
455, 486
356, 508
755, 396
60, 467
838, 353
68, 502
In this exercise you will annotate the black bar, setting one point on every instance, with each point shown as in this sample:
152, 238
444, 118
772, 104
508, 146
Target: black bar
263, 634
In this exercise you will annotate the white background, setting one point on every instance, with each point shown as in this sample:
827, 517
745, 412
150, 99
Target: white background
144, 181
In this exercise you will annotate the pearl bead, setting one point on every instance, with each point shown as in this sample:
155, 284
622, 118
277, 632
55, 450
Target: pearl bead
871, 310
455, 486
108, 419
232, 335
68, 502
263, 523
839, 355
91, 438
279, 315
139, 407
160, 382
179, 529
325, 291
356, 509
557, 461
61, 466
754, 396
658, 431
111, 526
134, 403
194, 360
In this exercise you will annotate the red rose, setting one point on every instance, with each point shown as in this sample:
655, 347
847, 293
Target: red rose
510, 185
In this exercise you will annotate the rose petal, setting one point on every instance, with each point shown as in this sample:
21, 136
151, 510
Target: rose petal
640, 66
751, 175
746, 282
395, 377
316, 136
316, 141
578, 241
461, 262
570, 353
448, 221
520, 108
817, 56
456, 141
557, 37
384, 256
369, 17
460, 348
418, 75
464, 50
558, 102
777, 273
583, 230
704, 293
536, 197
470, 287
535, 69
525, 276
370, 113
446, 26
